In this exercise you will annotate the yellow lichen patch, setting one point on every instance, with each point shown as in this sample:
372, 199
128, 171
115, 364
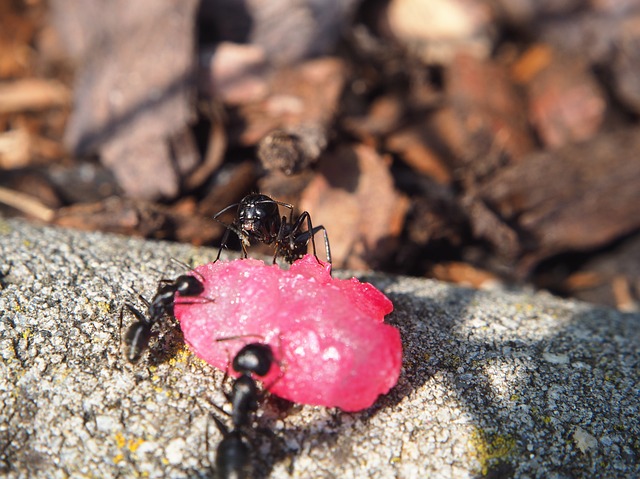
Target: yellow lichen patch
452, 361
120, 440
26, 334
134, 444
104, 307
524, 307
122, 443
181, 356
203, 362
5, 228
490, 448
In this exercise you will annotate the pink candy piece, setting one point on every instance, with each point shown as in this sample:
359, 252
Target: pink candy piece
327, 335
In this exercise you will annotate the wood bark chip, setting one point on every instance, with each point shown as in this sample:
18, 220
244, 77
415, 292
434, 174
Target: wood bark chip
32, 94
566, 104
412, 144
140, 218
579, 197
292, 150
135, 63
235, 74
353, 196
439, 29
626, 64
307, 94
483, 125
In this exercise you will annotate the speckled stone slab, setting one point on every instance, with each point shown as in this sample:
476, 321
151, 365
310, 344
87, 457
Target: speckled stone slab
497, 384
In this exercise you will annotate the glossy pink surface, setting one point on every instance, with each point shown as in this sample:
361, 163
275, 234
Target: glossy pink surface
327, 334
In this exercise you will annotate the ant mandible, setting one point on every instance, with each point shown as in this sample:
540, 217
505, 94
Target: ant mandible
138, 335
258, 219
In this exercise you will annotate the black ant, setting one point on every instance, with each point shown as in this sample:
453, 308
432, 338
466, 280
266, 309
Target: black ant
258, 219
234, 453
253, 358
137, 337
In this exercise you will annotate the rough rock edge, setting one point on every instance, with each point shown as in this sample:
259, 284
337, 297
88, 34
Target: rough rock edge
500, 383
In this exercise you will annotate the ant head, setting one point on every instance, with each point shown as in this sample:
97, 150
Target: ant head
189, 285
254, 358
256, 212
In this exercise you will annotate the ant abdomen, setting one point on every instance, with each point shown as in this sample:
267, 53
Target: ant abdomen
234, 457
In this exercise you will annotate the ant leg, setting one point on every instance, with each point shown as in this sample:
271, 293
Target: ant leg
143, 299
313, 231
224, 430
327, 248
225, 378
139, 316
242, 236
218, 408
306, 236
281, 365
120, 328
223, 243
310, 232
231, 227
280, 237
283, 370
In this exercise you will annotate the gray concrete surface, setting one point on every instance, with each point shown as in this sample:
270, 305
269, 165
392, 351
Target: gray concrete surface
494, 384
